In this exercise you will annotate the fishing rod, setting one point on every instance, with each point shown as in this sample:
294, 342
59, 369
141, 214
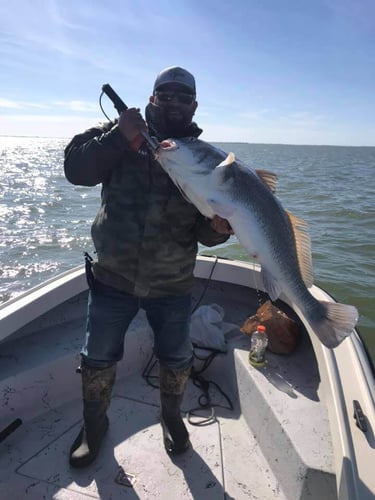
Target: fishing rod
120, 106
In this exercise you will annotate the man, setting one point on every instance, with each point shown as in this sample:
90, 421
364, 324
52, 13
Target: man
145, 235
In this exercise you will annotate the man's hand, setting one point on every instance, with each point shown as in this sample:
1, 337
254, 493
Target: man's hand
131, 124
221, 225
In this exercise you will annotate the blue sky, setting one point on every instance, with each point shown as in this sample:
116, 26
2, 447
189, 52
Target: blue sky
267, 71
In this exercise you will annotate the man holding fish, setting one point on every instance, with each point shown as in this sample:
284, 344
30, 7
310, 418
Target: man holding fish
145, 236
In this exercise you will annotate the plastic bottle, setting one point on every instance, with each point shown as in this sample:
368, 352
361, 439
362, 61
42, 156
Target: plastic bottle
259, 341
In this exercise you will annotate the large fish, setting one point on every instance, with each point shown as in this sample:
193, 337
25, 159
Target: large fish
217, 183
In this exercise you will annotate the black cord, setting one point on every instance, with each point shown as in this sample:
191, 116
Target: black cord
206, 286
152, 362
205, 403
206, 360
146, 374
204, 399
101, 107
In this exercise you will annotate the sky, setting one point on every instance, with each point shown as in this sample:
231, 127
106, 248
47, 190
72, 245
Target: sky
267, 71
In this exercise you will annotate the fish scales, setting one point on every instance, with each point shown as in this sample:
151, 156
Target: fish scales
246, 189
218, 184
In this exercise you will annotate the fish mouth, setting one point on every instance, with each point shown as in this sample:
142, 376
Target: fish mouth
168, 145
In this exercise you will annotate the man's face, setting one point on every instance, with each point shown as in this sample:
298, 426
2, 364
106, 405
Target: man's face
177, 106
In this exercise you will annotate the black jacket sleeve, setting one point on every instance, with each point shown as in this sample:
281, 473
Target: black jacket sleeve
90, 157
206, 235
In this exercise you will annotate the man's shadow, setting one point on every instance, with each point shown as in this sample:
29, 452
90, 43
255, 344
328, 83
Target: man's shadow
135, 433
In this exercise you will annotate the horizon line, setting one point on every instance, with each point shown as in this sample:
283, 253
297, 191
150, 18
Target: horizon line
208, 140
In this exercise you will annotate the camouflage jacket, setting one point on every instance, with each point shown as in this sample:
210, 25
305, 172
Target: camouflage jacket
145, 233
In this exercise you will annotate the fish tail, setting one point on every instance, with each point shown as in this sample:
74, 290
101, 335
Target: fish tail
335, 323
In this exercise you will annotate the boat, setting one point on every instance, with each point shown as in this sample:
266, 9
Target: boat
301, 427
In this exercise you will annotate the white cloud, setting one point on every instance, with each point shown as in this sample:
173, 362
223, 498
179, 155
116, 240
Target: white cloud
8, 103
13, 104
77, 105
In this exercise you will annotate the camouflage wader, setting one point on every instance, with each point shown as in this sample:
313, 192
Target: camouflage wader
172, 388
146, 238
96, 389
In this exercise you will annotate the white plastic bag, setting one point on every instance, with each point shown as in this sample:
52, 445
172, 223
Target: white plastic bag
208, 328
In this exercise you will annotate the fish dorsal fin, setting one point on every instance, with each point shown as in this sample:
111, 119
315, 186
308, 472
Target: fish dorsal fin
228, 160
269, 179
219, 174
303, 248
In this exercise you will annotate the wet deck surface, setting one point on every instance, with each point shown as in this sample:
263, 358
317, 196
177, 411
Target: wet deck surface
274, 444
216, 466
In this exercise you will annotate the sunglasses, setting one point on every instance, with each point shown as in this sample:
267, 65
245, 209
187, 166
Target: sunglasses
168, 95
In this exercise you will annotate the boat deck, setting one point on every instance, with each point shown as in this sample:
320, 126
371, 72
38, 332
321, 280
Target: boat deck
275, 443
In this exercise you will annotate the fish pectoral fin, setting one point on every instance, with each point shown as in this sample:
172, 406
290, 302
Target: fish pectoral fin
228, 160
303, 248
269, 179
271, 285
220, 209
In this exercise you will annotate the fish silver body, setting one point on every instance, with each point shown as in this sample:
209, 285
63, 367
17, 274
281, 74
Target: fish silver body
217, 183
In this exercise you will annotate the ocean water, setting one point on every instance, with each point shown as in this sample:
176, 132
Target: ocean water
45, 221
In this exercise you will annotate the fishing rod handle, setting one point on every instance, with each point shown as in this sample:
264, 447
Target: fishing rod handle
115, 98
121, 106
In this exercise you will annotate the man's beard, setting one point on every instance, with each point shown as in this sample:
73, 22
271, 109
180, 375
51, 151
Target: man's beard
175, 128
176, 124
164, 125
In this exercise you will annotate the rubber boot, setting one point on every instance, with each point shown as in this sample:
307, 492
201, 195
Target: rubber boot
172, 388
96, 388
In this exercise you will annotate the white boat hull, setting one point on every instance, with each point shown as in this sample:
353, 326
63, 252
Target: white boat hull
291, 434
